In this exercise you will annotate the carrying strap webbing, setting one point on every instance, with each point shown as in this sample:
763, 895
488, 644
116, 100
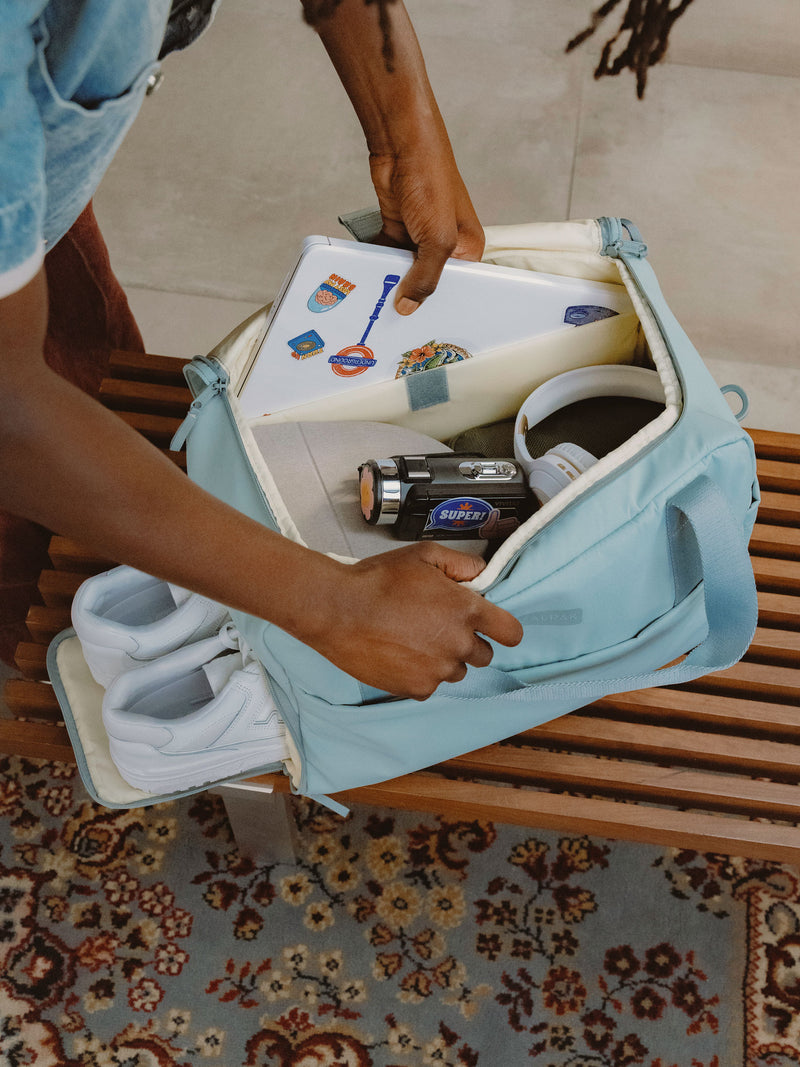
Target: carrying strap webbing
718, 554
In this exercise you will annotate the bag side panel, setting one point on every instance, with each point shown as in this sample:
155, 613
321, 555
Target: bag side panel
348, 747
604, 571
650, 623
217, 461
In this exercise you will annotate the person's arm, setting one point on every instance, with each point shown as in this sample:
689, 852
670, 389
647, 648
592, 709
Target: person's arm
396, 621
423, 200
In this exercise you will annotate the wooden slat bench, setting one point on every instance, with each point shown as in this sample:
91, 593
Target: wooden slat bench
713, 765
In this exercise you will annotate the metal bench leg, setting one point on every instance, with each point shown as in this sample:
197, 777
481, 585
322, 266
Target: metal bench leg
262, 823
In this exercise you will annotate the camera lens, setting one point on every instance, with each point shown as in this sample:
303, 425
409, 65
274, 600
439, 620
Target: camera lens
380, 491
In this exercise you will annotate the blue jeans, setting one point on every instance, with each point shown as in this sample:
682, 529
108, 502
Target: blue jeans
73, 79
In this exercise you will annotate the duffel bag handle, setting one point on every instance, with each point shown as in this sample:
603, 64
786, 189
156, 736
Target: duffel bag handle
730, 602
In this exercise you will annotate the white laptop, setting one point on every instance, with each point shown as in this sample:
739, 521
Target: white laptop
333, 327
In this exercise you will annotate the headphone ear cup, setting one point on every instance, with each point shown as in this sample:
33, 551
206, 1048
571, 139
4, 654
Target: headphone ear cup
557, 469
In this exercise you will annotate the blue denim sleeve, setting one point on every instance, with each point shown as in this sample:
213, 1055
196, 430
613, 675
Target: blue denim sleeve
22, 178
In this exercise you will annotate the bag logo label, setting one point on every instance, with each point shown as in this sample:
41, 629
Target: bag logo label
567, 617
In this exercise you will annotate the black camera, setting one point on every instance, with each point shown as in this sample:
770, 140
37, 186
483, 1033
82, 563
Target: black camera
458, 495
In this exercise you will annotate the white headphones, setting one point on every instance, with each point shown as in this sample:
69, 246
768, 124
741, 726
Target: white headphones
557, 468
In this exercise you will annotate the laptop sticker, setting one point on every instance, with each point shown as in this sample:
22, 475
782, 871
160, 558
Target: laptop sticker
477, 310
306, 344
429, 356
355, 359
330, 293
580, 314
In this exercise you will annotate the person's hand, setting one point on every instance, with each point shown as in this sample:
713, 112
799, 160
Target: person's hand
425, 206
403, 623
423, 201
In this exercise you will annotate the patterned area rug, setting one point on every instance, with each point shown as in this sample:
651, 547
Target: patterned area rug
145, 939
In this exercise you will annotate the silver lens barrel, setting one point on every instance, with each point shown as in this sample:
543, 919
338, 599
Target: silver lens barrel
381, 491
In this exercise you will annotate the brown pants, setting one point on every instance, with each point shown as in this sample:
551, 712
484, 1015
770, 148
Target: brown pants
89, 316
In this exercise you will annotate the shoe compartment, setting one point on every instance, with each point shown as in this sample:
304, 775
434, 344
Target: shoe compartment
80, 699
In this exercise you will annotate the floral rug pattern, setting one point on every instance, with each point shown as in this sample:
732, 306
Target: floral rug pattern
144, 938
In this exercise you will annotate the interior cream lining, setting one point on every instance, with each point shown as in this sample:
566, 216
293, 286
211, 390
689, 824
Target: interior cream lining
85, 698
568, 248
618, 458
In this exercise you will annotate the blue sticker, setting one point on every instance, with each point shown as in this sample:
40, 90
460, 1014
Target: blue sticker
580, 314
460, 513
306, 344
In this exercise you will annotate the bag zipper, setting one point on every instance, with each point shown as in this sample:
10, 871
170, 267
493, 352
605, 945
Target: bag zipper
615, 244
215, 383
214, 380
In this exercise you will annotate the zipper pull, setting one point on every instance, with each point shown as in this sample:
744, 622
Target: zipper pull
216, 385
615, 244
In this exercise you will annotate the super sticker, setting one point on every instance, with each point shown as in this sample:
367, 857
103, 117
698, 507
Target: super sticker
460, 513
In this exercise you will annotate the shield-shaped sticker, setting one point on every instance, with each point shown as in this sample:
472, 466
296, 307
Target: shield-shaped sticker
330, 293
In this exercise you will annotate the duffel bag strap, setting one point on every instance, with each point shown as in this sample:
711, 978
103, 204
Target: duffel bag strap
718, 554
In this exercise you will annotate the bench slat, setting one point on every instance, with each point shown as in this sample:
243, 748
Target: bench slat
778, 575
145, 397
593, 816
779, 609
776, 646
31, 699
36, 740
44, 622
59, 587
778, 475
31, 659
67, 555
608, 737
628, 780
159, 429
780, 508
779, 542
776, 444
753, 679
718, 712
140, 366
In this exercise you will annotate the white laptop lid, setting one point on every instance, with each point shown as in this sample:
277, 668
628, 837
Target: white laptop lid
333, 327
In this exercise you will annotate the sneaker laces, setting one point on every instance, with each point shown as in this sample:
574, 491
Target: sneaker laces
232, 638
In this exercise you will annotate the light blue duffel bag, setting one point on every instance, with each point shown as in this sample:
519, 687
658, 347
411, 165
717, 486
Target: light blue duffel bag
642, 560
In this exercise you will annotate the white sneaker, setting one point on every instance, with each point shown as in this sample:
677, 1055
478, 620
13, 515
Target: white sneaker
125, 618
193, 717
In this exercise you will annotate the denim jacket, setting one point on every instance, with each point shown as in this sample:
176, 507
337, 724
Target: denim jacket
73, 74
